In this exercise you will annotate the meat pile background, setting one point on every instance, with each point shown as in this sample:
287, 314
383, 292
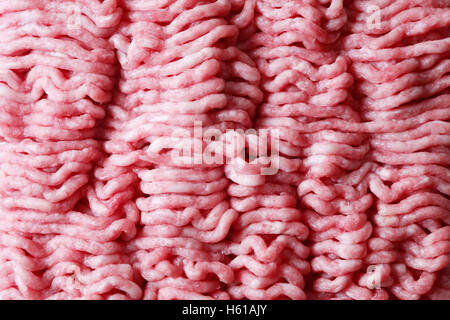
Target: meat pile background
94, 94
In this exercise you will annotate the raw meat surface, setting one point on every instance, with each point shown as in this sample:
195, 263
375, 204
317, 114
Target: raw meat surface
225, 149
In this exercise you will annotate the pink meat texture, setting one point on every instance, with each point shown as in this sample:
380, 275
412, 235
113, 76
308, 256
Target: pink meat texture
95, 93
